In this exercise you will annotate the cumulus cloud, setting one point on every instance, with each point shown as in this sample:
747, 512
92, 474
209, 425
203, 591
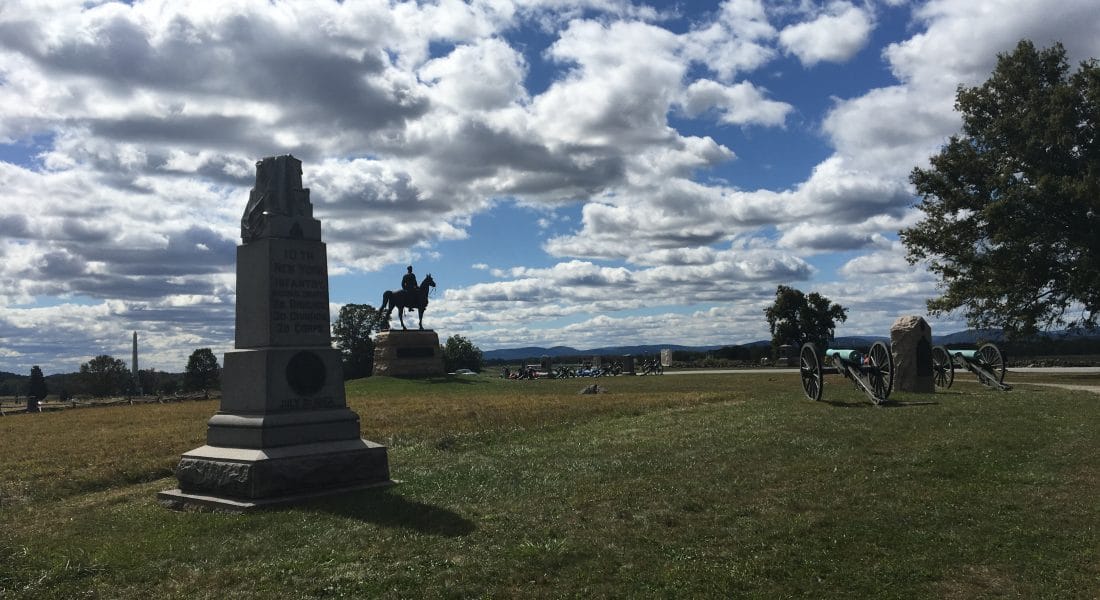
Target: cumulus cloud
737, 41
834, 36
481, 76
413, 119
740, 104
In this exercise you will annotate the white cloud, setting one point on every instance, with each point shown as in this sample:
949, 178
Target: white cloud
415, 118
739, 104
626, 77
835, 36
735, 42
482, 76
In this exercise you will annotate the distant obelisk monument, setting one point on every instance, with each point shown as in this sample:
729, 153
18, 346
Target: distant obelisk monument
284, 431
134, 369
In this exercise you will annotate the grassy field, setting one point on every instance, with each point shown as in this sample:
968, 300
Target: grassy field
675, 486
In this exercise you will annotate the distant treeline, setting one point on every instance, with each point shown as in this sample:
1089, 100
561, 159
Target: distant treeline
1020, 351
67, 385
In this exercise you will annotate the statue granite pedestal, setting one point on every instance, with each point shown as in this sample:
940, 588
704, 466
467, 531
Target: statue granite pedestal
284, 432
408, 353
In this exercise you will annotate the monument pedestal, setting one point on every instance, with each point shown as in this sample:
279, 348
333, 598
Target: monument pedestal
408, 353
284, 432
245, 478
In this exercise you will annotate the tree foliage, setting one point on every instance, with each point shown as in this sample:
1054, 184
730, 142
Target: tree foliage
461, 353
202, 372
36, 386
148, 381
36, 389
104, 376
1012, 204
796, 318
352, 334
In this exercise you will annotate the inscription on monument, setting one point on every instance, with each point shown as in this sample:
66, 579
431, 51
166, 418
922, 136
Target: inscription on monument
924, 358
416, 352
298, 403
299, 292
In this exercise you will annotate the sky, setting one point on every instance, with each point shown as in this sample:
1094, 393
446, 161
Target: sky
571, 172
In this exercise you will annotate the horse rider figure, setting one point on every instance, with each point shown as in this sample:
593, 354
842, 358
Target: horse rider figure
408, 282
412, 295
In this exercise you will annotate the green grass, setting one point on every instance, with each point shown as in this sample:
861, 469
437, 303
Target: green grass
676, 486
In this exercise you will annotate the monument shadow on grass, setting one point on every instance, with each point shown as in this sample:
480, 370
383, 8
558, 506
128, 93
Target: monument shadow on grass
387, 509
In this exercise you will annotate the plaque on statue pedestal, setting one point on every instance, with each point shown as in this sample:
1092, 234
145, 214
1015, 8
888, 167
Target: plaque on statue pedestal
408, 353
284, 431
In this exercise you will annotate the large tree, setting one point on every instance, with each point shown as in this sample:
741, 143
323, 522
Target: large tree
202, 372
104, 375
148, 381
1012, 204
36, 389
351, 332
795, 318
461, 353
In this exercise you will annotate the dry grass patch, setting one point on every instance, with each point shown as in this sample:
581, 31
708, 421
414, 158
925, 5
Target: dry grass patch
690, 486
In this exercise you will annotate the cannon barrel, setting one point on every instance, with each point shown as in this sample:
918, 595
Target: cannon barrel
852, 356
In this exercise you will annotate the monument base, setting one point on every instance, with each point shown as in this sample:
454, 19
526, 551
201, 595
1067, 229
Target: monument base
408, 353
244, 478
179, 500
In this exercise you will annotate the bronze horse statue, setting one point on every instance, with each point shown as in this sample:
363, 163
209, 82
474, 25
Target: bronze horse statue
401, 299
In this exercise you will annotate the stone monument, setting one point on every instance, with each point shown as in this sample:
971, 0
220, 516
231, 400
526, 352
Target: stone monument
134, 373
911, 345
408, 353
284, 431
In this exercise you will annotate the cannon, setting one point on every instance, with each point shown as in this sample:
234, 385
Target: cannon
871, 373
986, 363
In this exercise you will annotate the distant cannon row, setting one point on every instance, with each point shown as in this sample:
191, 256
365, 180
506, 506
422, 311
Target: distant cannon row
873, 372
546, 370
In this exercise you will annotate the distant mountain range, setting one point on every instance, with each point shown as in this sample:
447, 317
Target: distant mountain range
556, 351
970, 336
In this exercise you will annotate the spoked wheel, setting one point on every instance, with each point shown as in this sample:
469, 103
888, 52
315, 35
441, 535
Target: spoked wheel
882, 374
810, 371
943, 368
994, 360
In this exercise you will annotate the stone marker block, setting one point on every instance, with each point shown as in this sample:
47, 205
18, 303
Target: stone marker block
911, 344
408, 353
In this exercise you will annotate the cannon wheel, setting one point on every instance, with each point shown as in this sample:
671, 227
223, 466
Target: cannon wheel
992, 357
810, 370
882, 378
943, 368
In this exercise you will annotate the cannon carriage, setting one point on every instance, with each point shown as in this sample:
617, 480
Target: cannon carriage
987, 363
872, 373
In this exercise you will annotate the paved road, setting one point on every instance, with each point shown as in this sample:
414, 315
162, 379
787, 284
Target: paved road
1067, 386
1080, 370
1068, 370
1054, 370
724, 371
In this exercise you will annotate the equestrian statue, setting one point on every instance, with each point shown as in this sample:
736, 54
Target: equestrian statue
409, 296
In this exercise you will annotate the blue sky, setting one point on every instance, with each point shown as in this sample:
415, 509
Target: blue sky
575, 172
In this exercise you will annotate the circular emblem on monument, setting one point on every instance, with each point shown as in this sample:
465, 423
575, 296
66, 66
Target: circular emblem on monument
305, 373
